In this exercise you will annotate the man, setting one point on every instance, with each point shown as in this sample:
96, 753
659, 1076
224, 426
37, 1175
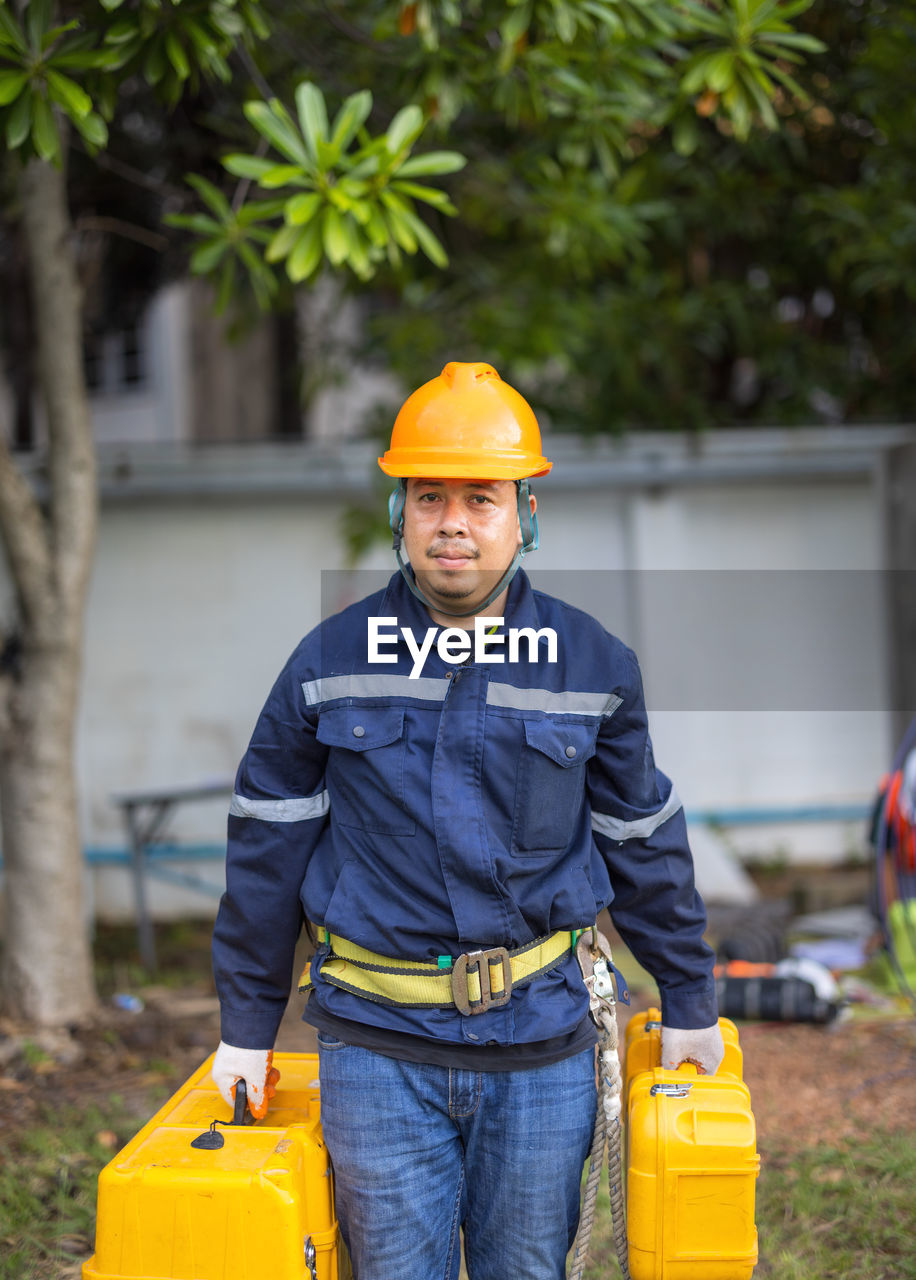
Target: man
451, 798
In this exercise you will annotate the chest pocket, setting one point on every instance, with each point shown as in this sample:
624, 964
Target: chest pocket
365, 770
550, 790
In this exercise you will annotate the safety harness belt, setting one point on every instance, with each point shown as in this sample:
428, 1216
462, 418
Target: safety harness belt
472, 982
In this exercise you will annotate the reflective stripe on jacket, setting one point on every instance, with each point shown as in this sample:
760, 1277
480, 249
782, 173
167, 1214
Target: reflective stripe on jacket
480, 805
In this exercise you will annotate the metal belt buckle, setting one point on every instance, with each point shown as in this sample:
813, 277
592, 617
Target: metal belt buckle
477, 964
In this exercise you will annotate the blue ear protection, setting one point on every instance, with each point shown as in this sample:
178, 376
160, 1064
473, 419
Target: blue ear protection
396, 500
528, 523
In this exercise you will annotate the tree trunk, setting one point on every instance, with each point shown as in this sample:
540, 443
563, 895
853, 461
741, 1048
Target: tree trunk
47, 972
47, 968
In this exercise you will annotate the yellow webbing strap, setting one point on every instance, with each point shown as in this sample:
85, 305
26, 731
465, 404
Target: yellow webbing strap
422, 983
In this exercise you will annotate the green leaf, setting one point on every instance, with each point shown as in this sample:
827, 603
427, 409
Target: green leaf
365, 167
516, 24
12, 84
361, 211
211, 196
121, 31
68, 94
10, 33
327, 156
301, 209
120, 55
431, 195
427, 241
377, 229
273, 122
334, 236
202, 223
432, 162
685, 136
306, 255
245, 166
44, 129
283, 243
313, 116
790, 83
354, 190
357, 253
796, 40
720, 71
260, 211
202, 42
55, 33
154, 64
207, 256
281, 175
38, 14
757, 87
404, 129
177, 56
738, 110
226, 286
400, 230
695, 75
350, 119
19, 121
87, 59
260, 277
226, 20
93, 128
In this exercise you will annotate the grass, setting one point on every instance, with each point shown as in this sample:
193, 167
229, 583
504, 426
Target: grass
833, 1213
825, 1214
48, 1188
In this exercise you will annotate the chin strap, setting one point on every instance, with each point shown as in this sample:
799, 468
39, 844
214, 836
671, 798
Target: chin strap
528, 523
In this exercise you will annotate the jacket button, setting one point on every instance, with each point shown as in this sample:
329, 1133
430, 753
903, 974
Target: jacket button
358, 731
570, 751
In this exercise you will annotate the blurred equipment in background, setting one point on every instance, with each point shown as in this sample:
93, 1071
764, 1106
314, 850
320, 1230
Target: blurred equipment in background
893, 839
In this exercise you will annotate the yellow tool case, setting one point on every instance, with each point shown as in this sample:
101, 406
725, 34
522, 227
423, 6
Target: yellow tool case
260, 1204
691, 1163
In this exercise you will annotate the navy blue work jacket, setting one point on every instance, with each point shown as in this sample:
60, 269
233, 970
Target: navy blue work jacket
479, 805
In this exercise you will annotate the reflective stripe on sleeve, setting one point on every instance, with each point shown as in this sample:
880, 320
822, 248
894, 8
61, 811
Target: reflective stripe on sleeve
617, 829
291, 810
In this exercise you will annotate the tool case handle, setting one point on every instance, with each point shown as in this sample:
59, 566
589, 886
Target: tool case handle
241, 1114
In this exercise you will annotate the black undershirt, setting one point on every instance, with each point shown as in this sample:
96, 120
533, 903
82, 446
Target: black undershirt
486, 1057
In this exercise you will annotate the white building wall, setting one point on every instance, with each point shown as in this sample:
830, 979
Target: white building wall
197, 601
752, 707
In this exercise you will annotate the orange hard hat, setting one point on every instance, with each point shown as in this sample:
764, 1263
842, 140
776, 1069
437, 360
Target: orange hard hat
467, 424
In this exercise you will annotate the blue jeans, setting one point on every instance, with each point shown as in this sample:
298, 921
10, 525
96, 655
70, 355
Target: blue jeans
420, 1151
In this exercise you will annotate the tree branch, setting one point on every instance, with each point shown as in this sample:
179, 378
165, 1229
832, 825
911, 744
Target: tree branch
127, 230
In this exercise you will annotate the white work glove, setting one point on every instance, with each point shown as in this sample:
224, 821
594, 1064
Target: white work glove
231, 1064
702, 1046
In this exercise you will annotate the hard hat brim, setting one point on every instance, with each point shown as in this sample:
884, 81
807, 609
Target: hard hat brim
438, 464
